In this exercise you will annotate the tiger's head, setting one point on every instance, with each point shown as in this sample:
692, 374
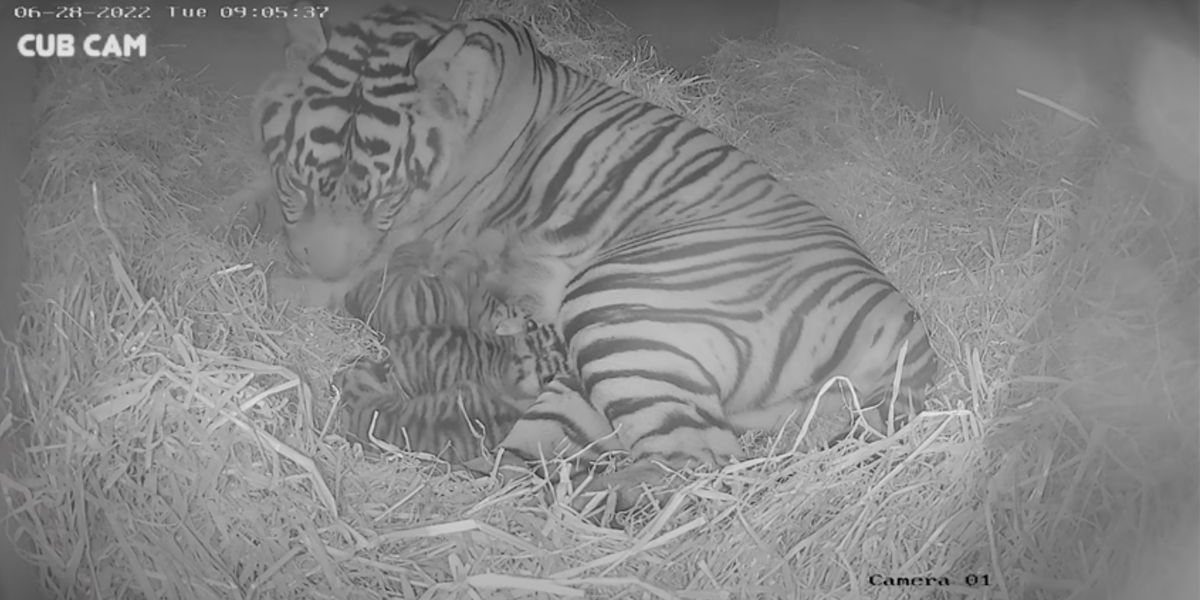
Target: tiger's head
360, 128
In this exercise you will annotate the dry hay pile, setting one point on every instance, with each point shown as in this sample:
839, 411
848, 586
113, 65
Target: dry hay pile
180, 445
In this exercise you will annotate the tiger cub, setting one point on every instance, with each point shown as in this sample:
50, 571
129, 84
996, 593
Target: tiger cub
418, 285
431, 369
456, 424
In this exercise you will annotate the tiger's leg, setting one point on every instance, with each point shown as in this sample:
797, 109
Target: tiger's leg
882, 415
660, 395
656, 375
891, 407
665, 429
561, 424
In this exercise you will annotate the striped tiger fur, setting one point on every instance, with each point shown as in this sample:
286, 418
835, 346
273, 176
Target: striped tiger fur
456, 424
417, 387
697, 295
427, 359
412, 290
415, 287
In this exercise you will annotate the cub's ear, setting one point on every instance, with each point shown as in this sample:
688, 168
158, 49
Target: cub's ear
306, 37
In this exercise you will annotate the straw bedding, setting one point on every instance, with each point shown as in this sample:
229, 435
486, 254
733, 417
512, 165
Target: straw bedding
180, 444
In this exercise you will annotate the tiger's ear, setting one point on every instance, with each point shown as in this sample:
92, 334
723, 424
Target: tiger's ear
466, 71
306, 38
436, 54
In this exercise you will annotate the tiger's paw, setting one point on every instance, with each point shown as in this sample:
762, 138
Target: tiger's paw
880, 421
653, 475
687, 446
628, 487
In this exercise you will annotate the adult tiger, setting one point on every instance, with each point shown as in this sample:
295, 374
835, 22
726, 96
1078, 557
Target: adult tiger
697, 295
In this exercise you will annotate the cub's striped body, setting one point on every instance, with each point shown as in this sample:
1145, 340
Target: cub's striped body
427, 359
456, 424
413, 290
697, 296
430, 370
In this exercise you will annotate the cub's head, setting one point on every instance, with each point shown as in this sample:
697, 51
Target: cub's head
361, 127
